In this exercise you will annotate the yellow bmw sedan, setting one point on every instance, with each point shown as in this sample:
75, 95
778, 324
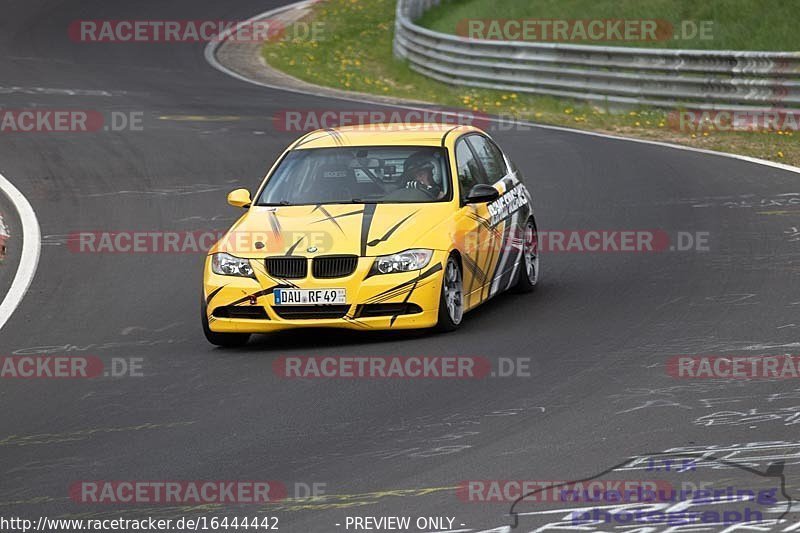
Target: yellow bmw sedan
381, 226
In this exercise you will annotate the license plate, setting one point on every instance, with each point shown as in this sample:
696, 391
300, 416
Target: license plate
310, 296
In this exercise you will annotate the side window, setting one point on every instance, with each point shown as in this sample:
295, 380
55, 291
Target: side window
490, 156
469, 172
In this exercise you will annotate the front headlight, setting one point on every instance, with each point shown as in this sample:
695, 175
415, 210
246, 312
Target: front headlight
228, 265
402, 262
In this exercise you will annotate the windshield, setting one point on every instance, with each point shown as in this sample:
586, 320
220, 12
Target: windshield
390, 174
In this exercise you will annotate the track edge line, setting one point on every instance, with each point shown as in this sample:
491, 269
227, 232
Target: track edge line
31, 250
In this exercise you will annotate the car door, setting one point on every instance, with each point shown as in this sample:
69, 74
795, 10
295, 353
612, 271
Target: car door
477, 239
507, 214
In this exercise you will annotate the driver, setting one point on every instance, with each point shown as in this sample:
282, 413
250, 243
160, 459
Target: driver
418, 173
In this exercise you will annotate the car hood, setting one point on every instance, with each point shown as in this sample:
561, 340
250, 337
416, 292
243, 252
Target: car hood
357, 229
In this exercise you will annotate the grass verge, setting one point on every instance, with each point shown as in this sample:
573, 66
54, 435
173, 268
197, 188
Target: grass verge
707, 25
355, 54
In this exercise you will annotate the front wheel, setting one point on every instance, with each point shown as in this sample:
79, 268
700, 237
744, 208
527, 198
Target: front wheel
226, 340
451, 301
528, 275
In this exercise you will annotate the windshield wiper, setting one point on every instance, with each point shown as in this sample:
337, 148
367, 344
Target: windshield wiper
282, 202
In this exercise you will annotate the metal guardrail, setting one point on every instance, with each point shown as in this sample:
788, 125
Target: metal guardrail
704, 79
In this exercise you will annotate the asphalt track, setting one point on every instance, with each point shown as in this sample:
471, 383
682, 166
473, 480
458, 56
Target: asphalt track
598, 331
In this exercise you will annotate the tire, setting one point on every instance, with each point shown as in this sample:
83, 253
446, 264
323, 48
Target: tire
528, 275
225, 340
451, 315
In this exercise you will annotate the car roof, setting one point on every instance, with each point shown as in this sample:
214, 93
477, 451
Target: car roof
392, 134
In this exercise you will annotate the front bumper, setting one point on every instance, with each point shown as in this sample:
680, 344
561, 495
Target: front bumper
407, 300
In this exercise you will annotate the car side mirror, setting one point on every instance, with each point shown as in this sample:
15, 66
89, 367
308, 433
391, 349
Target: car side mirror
482, 193
239, 198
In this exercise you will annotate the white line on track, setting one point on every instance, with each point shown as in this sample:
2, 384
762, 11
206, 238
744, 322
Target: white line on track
211, 58
31, 247
52, 91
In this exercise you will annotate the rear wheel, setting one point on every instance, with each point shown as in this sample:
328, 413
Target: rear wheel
451, 301
528, 275
226, 340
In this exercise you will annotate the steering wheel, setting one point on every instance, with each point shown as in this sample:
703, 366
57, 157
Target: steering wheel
432, 193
